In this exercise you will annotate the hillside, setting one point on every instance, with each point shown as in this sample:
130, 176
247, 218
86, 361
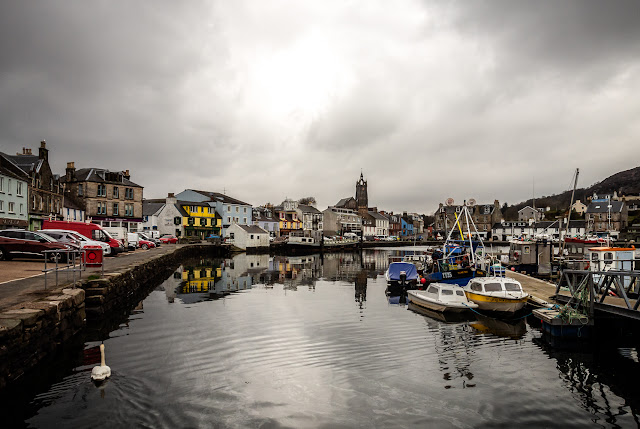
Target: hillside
625, 183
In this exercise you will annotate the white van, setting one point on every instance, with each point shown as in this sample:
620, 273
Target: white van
350, 235
133, 238
118, 233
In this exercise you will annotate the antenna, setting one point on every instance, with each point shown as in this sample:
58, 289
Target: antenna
471, 202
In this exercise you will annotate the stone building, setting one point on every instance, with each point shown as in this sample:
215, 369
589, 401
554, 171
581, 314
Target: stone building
606, 217
45, 190
484, 216
338, 220
109, 198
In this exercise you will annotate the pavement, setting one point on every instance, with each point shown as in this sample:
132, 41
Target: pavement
22, 279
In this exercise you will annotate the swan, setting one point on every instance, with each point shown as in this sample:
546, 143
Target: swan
101, 372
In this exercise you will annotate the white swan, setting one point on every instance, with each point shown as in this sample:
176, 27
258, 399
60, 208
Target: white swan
101, 372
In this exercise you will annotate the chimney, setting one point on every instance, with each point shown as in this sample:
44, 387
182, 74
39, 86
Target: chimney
171, 199
71, 171
126, 174
25, 151
43, 152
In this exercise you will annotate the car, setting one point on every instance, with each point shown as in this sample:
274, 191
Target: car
168, 239
146, 236
69, 236
146, 244
28, 243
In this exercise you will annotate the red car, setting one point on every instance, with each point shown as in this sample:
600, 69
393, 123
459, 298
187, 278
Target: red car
168, 239
145, 244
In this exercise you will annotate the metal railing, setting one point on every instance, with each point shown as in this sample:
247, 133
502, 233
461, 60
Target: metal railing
67, 260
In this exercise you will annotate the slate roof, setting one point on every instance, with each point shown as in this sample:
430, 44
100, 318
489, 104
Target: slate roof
9, 168
182, 211
253, 229
151, 208
216, 196
379, 216
343, 202
602, 207
96, 175
27, 163
308, 209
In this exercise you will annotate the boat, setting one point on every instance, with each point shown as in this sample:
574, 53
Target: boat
446, 317
441, 297
501, 294
400, 276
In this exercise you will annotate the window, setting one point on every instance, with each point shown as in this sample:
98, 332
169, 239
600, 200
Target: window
245, 209
11, 207
116, 206
128, 209
102, 191
9, 186
237, 209
446, 292
228, 219
33, 202
116, 192
493, 287
252, 236
21, 208
228, 208
477, 287
80, 190
128, 193
608, 257
1, 206
1, 184
512, 287
460, 293
102, 208
19, 188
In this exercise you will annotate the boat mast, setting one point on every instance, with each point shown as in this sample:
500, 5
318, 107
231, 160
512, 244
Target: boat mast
566, 231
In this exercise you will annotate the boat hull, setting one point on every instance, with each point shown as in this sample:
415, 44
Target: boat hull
491, 303
459, 277
439, 306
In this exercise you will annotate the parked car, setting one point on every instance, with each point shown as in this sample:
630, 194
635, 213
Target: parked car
168, 239
69, 236
146, 244
15, 242
146, 236
87, 229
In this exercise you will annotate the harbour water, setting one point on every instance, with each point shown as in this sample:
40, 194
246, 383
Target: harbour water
259, 341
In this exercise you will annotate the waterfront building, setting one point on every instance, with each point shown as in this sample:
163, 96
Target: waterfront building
247, 236
72, 211
553, 230
263, 217
606, 217
418, 222
374, 224
407, 227
45, 190
109, 198
14, 198
528, 212
181, 218
395, 224
231, 210
484, 216
579, 208
311, 219
164, 215
338, 220
287, 214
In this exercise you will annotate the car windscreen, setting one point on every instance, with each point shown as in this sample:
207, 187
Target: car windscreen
46, 237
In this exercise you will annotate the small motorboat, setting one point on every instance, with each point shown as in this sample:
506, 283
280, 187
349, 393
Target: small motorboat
502, 294
400, 276
441, 297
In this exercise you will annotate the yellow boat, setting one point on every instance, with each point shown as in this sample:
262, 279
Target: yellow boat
502, 294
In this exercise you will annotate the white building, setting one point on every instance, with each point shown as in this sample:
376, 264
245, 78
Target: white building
247, 236
337, 220
13, 195
164, 216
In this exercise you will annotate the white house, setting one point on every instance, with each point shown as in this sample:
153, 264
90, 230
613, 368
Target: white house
247, 236
164, 216
72, 211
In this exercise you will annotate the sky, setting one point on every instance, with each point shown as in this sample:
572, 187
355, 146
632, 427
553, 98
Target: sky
267, 100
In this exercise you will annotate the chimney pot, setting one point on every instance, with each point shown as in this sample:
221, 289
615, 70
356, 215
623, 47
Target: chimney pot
170, 195
43, 144
71, 165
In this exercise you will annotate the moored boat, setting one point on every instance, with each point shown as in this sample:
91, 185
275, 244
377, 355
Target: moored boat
502, 294
400, 276
441, 297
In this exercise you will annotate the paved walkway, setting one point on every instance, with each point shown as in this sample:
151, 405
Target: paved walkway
29, 284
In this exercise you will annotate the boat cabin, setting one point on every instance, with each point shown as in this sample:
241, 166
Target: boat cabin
531, 256
444, 292
490, 285
612, 258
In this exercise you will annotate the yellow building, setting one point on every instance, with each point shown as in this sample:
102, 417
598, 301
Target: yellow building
199, 220
200, 279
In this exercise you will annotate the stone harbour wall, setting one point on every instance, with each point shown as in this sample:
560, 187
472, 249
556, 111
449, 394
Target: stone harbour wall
30, 334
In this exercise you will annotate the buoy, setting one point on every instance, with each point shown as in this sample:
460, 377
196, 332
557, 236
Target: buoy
513, 268
423, 280
102, 372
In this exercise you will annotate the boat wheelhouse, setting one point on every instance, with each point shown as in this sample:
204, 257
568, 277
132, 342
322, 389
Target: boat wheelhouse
441, 297
502, 294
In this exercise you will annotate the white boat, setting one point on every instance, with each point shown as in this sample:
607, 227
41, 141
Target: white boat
502, 294
441, 297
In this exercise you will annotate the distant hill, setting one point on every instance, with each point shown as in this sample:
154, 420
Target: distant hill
624, 183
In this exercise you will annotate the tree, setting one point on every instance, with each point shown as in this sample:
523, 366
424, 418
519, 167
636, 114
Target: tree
307, 201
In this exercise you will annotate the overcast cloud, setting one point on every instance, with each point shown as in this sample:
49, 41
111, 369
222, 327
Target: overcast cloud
274, 99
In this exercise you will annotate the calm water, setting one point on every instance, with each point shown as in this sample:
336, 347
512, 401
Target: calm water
304, 342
